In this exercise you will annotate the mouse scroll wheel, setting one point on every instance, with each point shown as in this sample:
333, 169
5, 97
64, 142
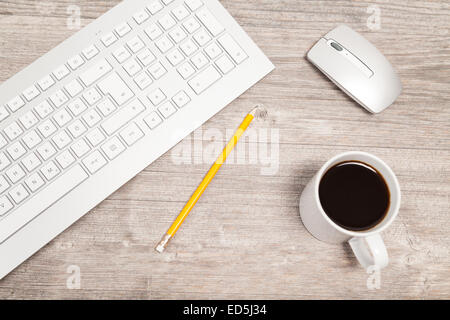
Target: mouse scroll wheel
336, 46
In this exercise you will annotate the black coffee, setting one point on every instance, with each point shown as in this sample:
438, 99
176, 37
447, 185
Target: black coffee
354, 195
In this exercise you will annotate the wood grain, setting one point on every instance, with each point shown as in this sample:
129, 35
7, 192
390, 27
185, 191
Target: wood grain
257, 246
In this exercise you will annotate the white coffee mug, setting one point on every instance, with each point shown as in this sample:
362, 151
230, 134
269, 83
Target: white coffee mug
367, 245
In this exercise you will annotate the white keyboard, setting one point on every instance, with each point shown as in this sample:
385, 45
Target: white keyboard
92, 113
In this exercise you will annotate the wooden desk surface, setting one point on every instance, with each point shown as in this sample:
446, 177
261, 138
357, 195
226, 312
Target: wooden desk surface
245, 238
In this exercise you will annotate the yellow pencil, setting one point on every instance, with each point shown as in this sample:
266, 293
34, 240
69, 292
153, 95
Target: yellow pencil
256, 112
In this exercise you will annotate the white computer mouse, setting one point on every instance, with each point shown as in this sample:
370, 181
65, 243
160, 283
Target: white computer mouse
357, 67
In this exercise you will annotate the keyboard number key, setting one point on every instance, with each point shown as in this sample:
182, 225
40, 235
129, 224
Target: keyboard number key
205, 79
224, 64
13, 131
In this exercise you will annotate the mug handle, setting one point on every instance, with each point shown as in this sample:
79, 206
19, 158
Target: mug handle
370, 251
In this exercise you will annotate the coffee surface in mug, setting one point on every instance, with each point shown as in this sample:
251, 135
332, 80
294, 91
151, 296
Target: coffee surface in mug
354, 195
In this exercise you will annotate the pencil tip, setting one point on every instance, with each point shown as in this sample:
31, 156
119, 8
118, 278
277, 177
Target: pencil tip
259, 112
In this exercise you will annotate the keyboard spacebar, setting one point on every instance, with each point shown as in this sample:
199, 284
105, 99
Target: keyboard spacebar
41, 201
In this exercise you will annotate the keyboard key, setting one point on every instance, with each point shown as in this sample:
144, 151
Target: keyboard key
61, 139
199, 60
31, 162
80, 148
61, 72
113, 148
109, 39
213, 50
177, 35
73, 88
34, 182
210, 22
131, 134
94, 162
28, 120
233, 49
62, 117
96, 72
3, 113
15, 173
31, 93
46, 82
16, 103
153, 120
47, 128
90, 52
175, 57
13, 131
164, 44
46, 150
181, 99
157, 96
143, 80
121, 54
205, 79
117, 88
141, 17
123, 29
155, 7
77, 107
188, 47
95, 137
202, 37
191, 25
50, 170
92, 118
224, 64
76, 128
4, 161
43, 109
132, 67
34, 206
106, 107
123, 116
5, 205
186, 70
194, 4
19, 194
31, 139
135, 44
180, 12
153, 31
167, 109
92, 96
16, 150
167, 2
146, 57
75, 62
59, 98
157, 70
4, 185
3, 141
65, 159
